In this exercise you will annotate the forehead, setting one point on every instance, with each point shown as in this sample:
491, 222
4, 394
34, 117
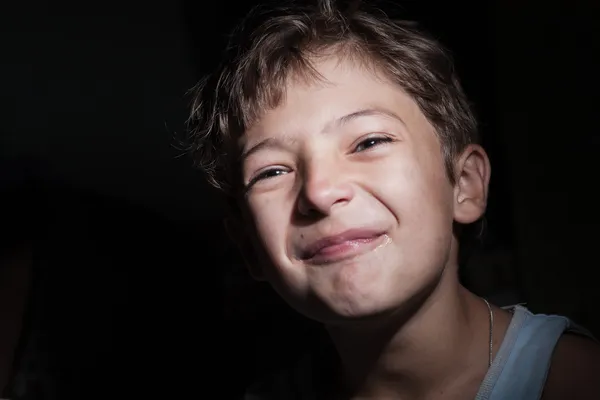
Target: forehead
342, 87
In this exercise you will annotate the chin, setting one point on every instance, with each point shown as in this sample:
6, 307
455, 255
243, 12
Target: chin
367, 303
344, 309
356, 315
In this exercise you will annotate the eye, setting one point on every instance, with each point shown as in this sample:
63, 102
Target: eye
268, 174
371, 142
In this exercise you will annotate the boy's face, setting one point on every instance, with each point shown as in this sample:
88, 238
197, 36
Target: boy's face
349, 196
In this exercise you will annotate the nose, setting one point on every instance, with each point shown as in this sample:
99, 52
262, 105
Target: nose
324, 188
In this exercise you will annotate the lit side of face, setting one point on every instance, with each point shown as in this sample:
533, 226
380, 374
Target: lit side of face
347, 191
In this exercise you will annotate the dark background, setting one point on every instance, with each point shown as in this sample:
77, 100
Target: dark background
137, 293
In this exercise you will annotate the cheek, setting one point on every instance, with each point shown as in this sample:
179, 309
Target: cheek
270, 221
412, 189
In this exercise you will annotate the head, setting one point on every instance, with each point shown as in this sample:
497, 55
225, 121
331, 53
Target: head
349, 154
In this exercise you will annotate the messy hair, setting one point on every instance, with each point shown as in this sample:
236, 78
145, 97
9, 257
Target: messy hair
270, 47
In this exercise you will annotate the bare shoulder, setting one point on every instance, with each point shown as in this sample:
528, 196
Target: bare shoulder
575, 369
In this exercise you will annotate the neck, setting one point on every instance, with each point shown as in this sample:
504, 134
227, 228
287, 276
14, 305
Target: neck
417, 353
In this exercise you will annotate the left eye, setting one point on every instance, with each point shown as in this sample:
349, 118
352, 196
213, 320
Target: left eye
371, 142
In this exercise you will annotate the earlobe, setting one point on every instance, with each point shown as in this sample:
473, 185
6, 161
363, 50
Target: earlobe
472, 181
241, 239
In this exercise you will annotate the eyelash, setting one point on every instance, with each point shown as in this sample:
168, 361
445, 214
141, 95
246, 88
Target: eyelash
264, 175
379, 140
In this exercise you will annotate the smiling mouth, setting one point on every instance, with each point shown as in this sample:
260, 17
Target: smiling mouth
344, 247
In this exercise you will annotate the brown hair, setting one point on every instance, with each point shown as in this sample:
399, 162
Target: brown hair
271, 46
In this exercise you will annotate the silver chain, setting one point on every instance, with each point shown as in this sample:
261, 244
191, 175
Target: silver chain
491, 331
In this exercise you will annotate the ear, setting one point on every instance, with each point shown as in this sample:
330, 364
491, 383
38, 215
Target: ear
241, 237
473, 172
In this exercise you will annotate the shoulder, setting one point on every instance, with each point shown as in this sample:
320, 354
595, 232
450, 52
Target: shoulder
574, 370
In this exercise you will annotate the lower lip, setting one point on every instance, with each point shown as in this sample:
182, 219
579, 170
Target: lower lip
346, 250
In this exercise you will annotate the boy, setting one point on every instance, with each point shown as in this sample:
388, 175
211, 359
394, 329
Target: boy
349, 154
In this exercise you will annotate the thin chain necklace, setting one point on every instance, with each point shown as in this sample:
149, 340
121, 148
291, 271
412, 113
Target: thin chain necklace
491, 331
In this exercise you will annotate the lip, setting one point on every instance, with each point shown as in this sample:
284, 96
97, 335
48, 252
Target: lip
343, 246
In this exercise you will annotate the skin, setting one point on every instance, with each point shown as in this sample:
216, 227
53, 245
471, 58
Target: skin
353, 150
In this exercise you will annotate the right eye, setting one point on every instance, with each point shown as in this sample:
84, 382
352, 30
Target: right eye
268, 174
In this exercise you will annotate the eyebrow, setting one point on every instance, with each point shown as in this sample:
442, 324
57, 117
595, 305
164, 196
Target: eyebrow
279, 143
268, 143
367, 112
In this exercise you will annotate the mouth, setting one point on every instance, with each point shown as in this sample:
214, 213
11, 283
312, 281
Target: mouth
344, 246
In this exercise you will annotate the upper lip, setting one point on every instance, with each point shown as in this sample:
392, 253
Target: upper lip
350, 234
